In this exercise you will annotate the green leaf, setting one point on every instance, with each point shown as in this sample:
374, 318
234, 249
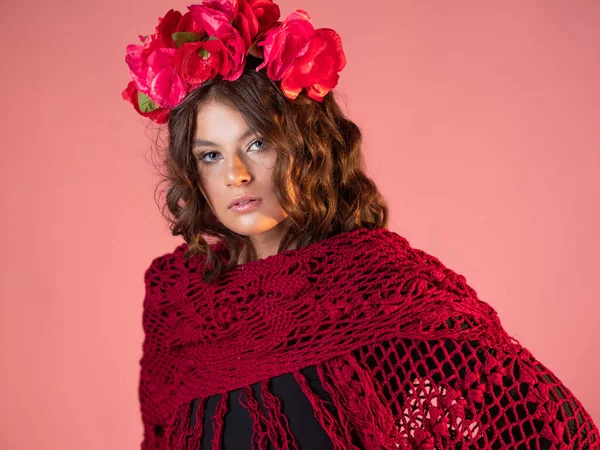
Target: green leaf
183, 37
145, 103
203, 53
212, 38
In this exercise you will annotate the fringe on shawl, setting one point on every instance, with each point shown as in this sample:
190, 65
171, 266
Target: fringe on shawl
474, 411
360, 420
267, 428
273, 427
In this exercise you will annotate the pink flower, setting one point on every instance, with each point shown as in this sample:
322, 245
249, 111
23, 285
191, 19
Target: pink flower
233, 65
248, 17
148, 108
215, 16
166, 87
254, 17
266, 12
137, 60
317, 69
197, 62
246, 22
137, 55
212, 14
285, 42
175, 22
302, 57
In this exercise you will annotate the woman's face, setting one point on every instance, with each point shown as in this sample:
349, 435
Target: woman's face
234, 161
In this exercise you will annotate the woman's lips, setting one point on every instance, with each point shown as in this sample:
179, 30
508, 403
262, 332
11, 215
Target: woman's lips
246, 207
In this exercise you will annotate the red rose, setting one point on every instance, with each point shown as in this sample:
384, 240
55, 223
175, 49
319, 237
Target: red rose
175, 22
166, 88
158, 115
223, 54
266, 12
285, 42
212, 14
236, 49
302, 57
318, 68
197, 62
138, 55
249, 17
137, 60
253, 17
246, 22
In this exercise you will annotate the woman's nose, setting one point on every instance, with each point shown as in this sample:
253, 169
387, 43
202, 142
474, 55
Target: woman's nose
237, 173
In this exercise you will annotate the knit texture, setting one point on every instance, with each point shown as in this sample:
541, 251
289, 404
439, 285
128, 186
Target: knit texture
408, 353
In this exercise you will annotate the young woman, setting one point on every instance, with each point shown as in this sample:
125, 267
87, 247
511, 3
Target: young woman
291, 317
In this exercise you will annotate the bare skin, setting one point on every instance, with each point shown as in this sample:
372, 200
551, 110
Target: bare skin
237, 162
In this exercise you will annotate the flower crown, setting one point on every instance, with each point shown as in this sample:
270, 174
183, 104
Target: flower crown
214, 38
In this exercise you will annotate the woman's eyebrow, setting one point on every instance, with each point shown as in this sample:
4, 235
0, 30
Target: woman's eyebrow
205, 143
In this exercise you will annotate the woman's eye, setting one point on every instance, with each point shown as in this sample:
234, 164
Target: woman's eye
202, 157
259, 141
205, 158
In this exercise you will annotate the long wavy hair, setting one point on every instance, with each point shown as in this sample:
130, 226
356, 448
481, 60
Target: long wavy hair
318, 178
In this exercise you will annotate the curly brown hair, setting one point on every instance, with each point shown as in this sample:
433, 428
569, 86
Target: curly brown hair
318, 176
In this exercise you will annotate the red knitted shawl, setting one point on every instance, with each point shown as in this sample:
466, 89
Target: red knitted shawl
411, 357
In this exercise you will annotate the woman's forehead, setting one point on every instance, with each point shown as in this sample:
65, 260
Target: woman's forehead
220, 121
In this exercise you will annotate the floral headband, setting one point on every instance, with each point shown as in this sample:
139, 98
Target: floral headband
214, 38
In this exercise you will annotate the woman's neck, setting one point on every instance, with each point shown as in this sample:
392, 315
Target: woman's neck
244, 256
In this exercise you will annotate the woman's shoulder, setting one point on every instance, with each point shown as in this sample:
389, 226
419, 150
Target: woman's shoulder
166, 261
166, 268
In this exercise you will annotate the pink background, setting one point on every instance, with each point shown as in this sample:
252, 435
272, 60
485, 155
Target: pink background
481, 129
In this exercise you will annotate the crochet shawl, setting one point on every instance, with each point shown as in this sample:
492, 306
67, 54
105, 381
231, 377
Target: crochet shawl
409, 354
